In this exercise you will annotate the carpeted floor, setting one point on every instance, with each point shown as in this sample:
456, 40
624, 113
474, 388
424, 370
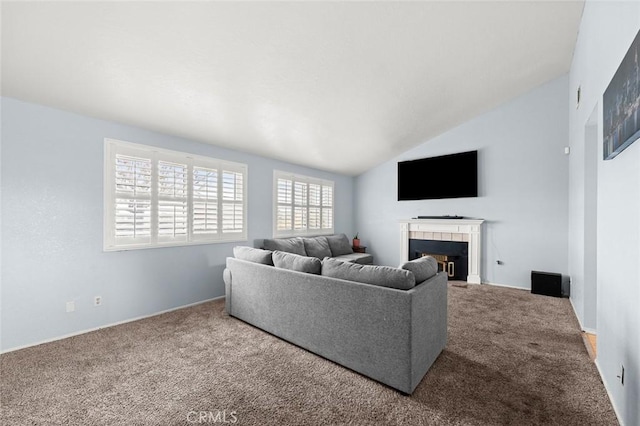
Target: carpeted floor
512, 358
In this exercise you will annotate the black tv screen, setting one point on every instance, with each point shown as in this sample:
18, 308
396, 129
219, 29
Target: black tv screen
447, 176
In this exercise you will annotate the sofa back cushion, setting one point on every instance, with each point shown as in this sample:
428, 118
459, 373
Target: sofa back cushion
423, 268
339, 244
385, 276
295, 262
317, 247
253, 255
290, 245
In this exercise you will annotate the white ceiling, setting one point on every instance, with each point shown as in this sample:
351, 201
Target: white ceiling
340, 86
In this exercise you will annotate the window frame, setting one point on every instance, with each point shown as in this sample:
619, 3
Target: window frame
113, 147
306, 180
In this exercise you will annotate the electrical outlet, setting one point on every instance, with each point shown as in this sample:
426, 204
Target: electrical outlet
71, 306
97, 301
622, 375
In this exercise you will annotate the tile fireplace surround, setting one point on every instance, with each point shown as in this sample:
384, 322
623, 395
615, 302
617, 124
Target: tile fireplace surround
464, 230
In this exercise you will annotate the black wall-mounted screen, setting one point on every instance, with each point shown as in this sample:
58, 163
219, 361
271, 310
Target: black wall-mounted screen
448, 176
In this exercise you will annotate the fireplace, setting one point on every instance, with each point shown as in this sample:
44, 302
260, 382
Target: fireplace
452, 256
465, 234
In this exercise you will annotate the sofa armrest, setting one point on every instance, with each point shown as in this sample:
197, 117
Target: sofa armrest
428, 324
226, 276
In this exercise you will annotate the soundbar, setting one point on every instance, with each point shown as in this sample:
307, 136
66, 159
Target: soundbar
440, 217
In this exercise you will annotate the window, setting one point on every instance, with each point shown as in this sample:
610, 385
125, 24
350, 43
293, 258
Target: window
303, 205
157, 198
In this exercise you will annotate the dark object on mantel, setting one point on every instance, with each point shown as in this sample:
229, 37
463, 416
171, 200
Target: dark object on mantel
442, 217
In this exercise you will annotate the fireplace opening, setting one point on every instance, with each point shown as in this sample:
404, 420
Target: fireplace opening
452, 256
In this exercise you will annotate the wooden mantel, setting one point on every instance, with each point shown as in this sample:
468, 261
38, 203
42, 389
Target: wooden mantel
468, 230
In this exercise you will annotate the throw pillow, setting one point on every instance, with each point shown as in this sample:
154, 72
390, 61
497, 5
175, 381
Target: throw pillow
295, 262
254, 255
423, 268
339, 245
317, 247
384, 276
290, 245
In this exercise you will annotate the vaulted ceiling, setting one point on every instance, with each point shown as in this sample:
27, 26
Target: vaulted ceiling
339, 86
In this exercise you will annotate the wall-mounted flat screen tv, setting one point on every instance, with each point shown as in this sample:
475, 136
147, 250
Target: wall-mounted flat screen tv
447, 176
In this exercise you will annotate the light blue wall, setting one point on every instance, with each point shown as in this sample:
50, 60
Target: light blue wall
606, 32
523, 185
52, 211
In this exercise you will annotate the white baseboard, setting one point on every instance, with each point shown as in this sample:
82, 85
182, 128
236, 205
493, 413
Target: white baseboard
582, 327
602, 377
576, 313
77, 333
606, 387
506, 285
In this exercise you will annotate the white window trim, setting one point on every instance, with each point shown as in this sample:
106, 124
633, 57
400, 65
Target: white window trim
113, 147
278, 174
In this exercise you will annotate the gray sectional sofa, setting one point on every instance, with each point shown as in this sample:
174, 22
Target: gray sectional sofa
337, 246
389, 324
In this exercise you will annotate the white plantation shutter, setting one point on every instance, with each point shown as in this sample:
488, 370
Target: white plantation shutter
133, 175
284, 218
133, 218
172, 201
156, 197
172, 220
302, 205
232, 202
132, 212
300, 202
315, 203
284, 197
327, 207
205, 201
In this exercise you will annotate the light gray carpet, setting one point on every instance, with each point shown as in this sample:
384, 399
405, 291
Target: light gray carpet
512, 358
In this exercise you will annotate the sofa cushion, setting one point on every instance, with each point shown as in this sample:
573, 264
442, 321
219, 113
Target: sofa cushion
385, 276
290, 245
295, 262
339, 245
253, 255
317, 247
423, 268
362, 258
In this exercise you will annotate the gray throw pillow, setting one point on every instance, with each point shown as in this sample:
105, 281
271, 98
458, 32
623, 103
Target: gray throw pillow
384, 276
423, 268
317, 247
290, 245
295, 262
254, 255
339, 244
